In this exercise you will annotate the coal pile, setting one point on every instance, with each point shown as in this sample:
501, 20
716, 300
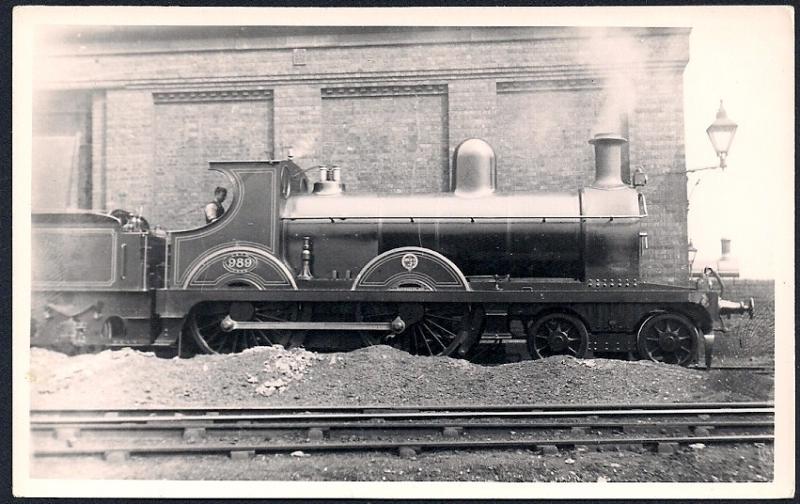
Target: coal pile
375, 375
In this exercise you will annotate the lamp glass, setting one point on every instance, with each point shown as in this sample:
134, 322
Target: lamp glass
721, 132
721, 137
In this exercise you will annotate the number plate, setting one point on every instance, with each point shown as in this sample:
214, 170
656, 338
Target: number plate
239, 262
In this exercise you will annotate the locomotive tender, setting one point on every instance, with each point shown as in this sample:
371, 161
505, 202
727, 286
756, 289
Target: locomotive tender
432, 274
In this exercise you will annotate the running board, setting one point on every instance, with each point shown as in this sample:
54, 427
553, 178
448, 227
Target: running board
396, 326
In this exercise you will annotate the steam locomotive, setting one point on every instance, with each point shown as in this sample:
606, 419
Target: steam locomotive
433, 274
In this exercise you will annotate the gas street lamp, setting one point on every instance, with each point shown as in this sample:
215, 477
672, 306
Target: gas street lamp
692, 253
721, 133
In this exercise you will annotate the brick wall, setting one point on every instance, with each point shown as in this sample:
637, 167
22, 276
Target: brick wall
129, 140
656, 139
472, 106
388, 105
543, 139
387, 139
189, 133
99, 171
298, 123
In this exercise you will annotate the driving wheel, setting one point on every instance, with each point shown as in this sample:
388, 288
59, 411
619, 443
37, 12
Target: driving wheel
557, 334
204, 325
435, 333
667, 337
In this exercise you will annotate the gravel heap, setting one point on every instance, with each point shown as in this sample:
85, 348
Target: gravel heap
375, 375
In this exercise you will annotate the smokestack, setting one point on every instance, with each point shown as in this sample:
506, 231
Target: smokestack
726, 246
608, 160
727, 265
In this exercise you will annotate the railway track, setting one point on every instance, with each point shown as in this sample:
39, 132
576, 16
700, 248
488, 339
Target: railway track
760, 370
764, 370
241, 433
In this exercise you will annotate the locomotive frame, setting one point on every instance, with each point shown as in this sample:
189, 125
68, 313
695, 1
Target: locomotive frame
332, 271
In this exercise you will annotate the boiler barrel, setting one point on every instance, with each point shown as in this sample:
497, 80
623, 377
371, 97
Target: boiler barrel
516, 247
520, 248
518, 234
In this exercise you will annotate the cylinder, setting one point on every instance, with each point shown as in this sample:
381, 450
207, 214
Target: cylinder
608, 160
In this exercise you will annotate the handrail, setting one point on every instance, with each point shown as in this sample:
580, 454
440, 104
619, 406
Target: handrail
468, 218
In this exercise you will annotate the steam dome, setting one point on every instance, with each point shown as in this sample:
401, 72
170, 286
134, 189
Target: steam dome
474, 172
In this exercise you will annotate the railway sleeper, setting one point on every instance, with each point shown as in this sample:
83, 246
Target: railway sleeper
660, 445
193, 434
242, 454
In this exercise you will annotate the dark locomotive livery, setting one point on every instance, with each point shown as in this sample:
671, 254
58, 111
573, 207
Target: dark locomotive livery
433, 274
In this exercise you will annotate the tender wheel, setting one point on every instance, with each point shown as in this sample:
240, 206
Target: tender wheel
667, 337
204, 325
557, 334
435, 333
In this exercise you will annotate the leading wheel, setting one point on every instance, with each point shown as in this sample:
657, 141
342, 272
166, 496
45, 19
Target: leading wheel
204, 325
667, 337
557, 334
435, 333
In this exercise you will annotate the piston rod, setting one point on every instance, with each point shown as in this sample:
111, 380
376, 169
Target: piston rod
396, 326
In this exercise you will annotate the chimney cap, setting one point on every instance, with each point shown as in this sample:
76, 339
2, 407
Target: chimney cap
608, 137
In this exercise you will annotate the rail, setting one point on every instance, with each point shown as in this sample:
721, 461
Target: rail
125, 433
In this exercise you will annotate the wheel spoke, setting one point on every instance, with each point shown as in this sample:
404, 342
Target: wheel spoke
433, 333
673, 331
424, 339
455, 319
269, 318
557, 333
263, 337
204, 326
442, 328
